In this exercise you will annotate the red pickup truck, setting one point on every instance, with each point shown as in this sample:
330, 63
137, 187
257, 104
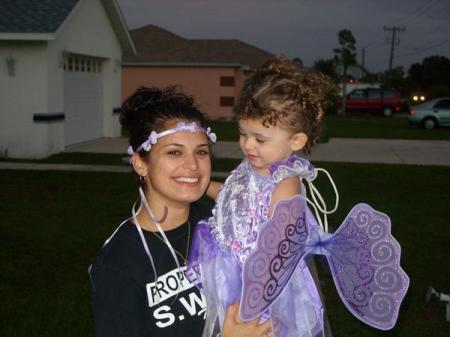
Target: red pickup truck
377, 100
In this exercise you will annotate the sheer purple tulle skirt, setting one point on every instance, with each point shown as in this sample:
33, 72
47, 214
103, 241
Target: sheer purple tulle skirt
297, 312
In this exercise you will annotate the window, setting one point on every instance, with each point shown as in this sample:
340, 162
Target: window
374, 94
357, 94
443, 104
226, 81
389, 94
82, 63
226, 101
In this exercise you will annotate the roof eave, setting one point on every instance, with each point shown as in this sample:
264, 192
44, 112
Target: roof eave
27, 36
120, 26
185, 64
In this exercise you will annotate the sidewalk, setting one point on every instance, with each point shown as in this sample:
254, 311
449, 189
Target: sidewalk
385, 151
351, 150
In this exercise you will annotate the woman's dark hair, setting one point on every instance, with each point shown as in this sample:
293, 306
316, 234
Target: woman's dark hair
281, 93
149, 108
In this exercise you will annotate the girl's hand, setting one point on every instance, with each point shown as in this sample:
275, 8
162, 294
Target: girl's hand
233, 327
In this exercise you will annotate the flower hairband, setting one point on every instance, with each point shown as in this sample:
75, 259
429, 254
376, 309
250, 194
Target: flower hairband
181, 126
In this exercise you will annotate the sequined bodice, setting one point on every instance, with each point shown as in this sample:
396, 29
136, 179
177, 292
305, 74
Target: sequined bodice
242, 204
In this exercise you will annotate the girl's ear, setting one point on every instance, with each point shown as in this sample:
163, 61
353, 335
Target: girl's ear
139, 165
298, 141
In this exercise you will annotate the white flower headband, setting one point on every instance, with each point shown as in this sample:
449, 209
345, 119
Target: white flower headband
182, 126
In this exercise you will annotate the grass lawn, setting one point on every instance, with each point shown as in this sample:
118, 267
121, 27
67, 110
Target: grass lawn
52, 224
354, 126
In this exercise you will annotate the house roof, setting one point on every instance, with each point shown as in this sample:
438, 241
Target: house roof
41, 19
157, 46
28, 16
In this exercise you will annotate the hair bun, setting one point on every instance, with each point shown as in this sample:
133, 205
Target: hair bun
280, 65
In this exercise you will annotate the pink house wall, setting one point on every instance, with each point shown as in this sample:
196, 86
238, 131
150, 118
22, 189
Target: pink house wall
202, 83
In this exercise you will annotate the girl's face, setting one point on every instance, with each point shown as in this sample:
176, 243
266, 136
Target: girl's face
178, 167
264, 146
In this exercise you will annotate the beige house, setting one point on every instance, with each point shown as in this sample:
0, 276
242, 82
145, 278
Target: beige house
212, 71
60, 74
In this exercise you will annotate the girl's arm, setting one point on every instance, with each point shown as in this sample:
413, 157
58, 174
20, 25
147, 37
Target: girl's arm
213, 189
285, 189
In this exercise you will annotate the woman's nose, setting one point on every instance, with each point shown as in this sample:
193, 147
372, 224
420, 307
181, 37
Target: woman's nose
191, 162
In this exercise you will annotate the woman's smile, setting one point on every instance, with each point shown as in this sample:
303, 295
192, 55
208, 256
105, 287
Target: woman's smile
188, 181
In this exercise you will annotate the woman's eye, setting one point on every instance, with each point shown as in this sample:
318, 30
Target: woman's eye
174, 153
260, 140
203, 153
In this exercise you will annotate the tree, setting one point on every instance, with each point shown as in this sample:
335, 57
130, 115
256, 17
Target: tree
345, 56
397, 78
433, 71
431, 76
327, 67
298, 62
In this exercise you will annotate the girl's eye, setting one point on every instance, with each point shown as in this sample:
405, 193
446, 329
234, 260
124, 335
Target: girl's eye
260, 140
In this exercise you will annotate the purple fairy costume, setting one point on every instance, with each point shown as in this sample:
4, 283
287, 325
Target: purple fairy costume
241, 254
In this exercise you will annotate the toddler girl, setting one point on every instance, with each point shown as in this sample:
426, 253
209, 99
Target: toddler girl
279, 113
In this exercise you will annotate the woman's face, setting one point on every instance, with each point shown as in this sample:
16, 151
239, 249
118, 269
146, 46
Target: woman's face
178, 167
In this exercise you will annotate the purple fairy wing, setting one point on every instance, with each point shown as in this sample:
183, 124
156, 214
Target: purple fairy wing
279, 248
364, 259
363, 256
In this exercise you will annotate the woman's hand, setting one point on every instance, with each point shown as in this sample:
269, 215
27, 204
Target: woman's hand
213, 189
233, 327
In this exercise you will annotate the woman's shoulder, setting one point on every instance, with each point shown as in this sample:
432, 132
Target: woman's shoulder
119, 247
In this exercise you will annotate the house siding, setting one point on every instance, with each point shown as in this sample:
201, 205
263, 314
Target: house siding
203, 83
88, 31
22, 95
37, 88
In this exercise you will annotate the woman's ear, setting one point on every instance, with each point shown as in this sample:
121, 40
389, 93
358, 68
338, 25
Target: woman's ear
298, 141
139, 165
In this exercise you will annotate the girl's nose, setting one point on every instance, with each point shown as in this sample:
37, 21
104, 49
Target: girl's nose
247, 143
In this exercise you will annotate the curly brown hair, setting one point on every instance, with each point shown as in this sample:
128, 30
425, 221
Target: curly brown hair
280, 92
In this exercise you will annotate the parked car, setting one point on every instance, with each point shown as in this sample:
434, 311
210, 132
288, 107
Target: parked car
431, 114
353, 85
377, 100
418, 98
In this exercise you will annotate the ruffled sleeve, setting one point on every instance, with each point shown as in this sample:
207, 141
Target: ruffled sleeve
294, 166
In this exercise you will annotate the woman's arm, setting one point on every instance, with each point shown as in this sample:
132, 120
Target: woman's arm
285, 189
213, 189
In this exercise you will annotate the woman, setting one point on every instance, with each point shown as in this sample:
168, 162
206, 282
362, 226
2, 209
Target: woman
139, 284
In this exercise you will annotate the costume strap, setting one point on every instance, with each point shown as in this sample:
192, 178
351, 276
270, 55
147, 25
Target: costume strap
318, 203
158, 226
296, 166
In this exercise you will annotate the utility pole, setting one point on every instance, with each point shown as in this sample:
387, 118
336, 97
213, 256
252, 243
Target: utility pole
394, 42
363, 57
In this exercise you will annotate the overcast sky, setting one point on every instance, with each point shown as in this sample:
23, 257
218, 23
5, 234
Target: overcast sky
306, 28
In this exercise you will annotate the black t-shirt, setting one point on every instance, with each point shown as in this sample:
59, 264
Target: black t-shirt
127, 301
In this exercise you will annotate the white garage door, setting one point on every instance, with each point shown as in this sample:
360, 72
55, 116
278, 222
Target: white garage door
82, 99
